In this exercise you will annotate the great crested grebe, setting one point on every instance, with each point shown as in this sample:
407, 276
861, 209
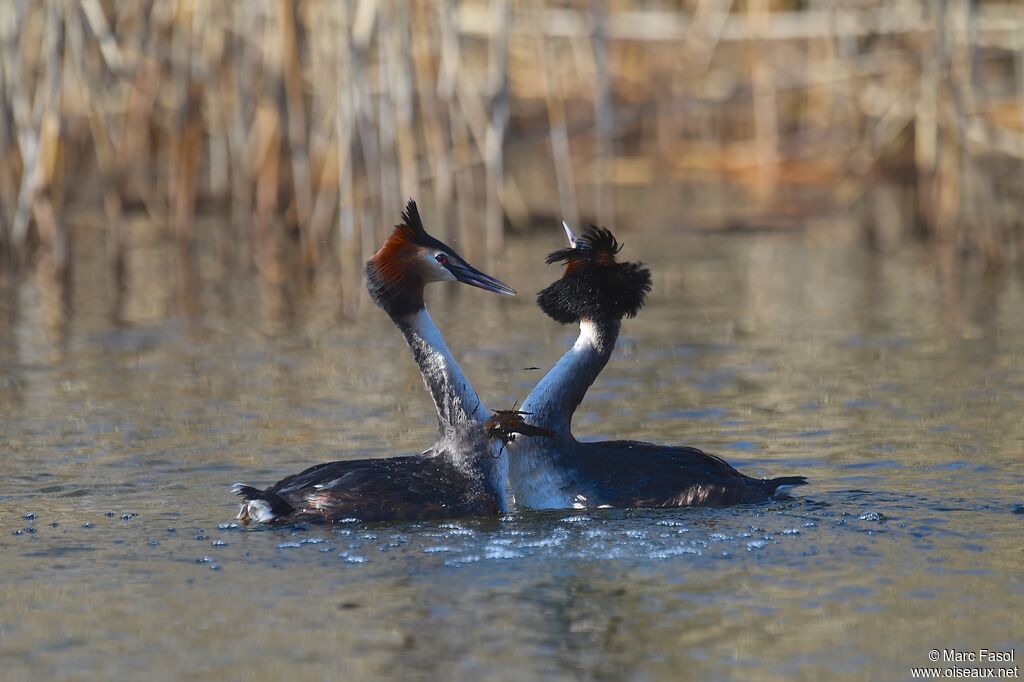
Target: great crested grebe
464, 472
555, 471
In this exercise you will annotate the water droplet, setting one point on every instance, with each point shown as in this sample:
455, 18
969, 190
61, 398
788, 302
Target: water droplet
872, 516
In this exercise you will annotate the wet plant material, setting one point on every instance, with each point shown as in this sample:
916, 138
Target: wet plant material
506, 424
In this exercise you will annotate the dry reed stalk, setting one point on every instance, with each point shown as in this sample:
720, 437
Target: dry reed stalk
298, 141
174, 101
604, 116
561, 154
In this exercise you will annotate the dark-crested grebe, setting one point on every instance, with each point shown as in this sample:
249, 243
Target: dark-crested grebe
556, 471
464, 472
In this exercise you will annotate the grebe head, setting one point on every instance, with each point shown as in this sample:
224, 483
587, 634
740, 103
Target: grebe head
594, 287
410, 259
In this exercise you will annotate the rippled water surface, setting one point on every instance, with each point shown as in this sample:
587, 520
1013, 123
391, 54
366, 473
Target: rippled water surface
899, 393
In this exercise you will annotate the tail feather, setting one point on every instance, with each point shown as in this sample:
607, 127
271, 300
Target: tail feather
261, 506
782, 485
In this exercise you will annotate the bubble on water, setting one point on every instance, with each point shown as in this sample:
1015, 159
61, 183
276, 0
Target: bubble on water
342, 531
756, 544
172, 530
872, 516
201, 535
672, 552
791, 531
31, 516
87, 524
368, 536
312, 541
128, 517
53, 524
288, 545
218, 543
810, 524
719, 537
18, 532
544, 542
464, 559
352, 558
459, 531
576, 519
205, 559
153, 543
227, 526
325, 550
214, 567
500, 552
744, 535
669, 523
110, 515
350, 519
434, 549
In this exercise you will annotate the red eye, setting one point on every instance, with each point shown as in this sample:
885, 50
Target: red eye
441, 258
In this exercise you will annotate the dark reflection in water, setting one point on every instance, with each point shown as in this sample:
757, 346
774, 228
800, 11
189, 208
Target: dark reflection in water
896, 388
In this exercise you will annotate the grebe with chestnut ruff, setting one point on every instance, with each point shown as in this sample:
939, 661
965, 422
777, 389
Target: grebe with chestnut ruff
464, 473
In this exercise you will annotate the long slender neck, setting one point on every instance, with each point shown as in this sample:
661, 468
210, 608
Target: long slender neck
460, 412
454, 398
553, 401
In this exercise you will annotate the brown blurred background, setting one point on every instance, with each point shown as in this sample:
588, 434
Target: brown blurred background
283, 136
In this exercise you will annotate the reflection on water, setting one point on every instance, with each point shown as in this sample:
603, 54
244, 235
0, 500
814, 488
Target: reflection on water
896, 391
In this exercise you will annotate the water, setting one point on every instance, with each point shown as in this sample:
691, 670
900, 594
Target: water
898, 393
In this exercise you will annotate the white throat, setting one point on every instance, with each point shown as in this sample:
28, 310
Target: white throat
546, 402
455, 399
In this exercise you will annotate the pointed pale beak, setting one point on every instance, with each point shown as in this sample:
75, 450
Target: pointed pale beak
569, 235
467, 274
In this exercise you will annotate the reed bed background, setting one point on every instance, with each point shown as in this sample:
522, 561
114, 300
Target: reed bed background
285, 135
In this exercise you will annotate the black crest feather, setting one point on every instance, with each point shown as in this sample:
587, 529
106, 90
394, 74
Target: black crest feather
411, 218
595, 287
596, 242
